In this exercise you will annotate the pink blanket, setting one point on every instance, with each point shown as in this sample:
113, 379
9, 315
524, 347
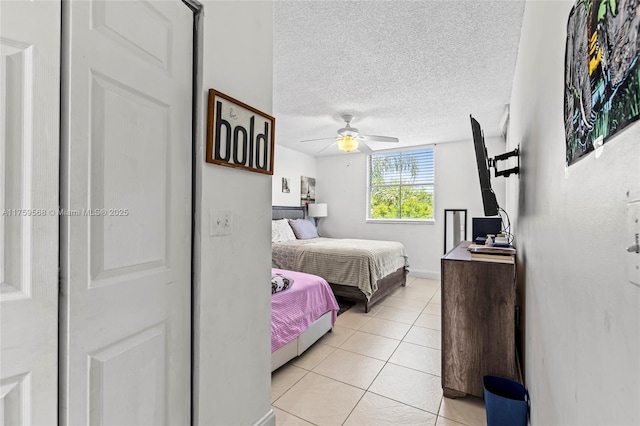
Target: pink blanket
295, 309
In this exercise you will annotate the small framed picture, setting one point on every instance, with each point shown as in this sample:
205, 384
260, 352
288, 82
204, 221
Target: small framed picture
285, 185
307, 190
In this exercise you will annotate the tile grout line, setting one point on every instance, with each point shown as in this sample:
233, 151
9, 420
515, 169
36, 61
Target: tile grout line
295, 383
386, 362
413, 324
354, 407
408, 405
297, 417
378, 359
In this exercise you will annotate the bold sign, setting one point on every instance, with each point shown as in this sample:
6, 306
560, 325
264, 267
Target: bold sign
239, 135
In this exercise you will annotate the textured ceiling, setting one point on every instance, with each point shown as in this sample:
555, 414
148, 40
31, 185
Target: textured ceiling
409, 69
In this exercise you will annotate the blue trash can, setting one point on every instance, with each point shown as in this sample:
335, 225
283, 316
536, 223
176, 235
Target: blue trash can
506, 402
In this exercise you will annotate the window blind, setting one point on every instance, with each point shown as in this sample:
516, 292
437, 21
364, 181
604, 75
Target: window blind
401, 185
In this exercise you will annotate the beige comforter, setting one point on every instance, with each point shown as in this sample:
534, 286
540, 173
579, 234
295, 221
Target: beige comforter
358, 263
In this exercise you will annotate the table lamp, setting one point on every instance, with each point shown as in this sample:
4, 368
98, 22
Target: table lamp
317, 211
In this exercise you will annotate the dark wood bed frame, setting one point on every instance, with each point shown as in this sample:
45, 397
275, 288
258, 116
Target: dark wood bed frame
386, 285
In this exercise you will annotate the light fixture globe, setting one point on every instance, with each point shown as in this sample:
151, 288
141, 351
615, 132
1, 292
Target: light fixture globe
347, 143
349, 138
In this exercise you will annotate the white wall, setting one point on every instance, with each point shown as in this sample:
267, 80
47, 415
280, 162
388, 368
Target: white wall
581, 315
344, 189
291, 164
233, 302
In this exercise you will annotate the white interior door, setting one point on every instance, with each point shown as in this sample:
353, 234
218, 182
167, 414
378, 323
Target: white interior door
29, 153
126, 185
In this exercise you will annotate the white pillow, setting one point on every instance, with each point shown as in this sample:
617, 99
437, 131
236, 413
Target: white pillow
281, 231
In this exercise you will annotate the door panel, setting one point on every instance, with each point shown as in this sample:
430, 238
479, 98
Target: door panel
139, 359
115, 110
29, 154
126, 263
119, 21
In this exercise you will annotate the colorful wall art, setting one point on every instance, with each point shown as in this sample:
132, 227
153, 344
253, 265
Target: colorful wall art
602, 90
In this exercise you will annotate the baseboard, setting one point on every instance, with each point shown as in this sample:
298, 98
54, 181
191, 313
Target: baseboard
430, 275
268, 419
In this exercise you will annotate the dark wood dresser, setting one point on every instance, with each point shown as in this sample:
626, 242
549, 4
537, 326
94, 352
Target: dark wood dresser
478, 321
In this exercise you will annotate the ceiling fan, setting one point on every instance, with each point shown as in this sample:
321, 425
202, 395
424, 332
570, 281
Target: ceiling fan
349, 138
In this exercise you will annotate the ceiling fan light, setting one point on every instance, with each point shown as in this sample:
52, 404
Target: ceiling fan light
347, 143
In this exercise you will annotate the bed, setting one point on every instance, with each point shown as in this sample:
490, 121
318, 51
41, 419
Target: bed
300, 315
358, 270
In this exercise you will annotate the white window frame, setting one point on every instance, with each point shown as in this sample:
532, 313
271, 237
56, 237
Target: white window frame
369, 188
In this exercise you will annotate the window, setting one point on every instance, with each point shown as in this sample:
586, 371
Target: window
401, 185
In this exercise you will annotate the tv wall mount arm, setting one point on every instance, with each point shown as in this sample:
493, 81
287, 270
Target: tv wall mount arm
493, 162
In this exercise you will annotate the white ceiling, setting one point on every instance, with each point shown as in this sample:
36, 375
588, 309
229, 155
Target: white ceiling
409, 69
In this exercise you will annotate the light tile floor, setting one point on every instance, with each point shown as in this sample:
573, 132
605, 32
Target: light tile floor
379, 368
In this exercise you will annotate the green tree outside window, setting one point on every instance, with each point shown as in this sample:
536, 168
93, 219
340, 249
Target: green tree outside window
401, 185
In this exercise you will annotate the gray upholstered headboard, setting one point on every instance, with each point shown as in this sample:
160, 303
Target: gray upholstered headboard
287, 212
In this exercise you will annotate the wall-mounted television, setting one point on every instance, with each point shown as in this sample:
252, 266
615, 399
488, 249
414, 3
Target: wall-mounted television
484, 172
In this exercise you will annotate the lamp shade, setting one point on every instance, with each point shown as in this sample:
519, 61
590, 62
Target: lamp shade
347, 143
318, 210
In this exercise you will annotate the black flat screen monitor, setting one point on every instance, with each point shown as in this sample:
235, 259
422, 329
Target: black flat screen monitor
482, 226
484, 172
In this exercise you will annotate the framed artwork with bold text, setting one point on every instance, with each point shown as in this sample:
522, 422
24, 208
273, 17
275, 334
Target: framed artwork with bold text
239, 135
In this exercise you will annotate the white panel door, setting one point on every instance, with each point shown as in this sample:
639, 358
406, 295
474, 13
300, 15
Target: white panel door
126, 233
29, 154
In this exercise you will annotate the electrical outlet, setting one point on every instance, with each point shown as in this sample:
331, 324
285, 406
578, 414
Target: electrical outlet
632, 242
221, 222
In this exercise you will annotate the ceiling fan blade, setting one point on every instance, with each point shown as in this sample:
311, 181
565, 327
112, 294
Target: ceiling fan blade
372, 138
364, 148
326, 147
321, 139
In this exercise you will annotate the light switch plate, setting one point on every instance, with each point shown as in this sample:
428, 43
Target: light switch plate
221, 222
631, 239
